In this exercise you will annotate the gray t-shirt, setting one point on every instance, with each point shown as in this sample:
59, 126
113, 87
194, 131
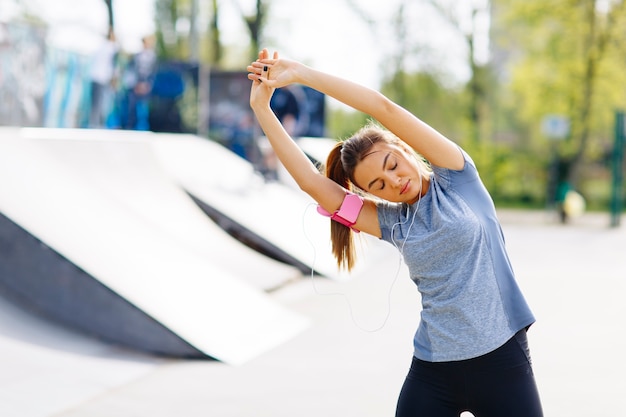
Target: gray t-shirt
455, 252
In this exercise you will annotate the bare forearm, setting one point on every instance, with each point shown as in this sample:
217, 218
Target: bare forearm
290, 155
357, 96
417, 134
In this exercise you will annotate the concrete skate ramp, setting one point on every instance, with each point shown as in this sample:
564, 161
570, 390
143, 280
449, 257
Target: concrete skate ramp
275, 217
317, 148
95, 235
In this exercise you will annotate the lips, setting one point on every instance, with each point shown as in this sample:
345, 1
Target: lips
406, 187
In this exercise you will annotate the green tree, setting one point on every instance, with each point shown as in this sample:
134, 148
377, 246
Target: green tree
178, 36
217, 49
169, 41
566, 57
424, 95
476, 88
255, 22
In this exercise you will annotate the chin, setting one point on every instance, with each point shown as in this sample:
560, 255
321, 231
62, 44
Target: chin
412, 200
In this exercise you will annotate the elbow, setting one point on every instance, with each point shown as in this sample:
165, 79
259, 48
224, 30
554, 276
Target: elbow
318, 187
380, 106
386, 106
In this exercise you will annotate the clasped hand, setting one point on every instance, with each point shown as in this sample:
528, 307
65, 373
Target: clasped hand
267, 75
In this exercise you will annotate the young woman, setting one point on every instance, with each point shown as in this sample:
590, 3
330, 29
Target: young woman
409, 185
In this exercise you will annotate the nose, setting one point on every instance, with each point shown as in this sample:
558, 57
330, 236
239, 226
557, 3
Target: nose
393, 179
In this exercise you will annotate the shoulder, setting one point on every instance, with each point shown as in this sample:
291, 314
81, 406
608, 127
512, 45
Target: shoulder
447, 176
388, 211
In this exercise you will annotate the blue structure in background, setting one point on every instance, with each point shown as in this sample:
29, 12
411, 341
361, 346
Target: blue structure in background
174, 99
231, 121
304, 106
171, 105
50, 87
66, 99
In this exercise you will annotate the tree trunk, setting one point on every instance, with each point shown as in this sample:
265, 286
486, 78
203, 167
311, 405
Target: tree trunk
109, 4
597, 42
217, 51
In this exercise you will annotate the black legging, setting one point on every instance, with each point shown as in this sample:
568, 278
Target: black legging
498, 384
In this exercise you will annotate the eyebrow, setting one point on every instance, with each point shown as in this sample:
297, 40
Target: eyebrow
369, 186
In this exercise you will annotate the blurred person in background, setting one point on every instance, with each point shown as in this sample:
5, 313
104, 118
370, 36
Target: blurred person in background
103, 75
138, 79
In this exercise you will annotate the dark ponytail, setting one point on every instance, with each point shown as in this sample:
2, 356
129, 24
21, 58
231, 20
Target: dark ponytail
340, 235
340, 166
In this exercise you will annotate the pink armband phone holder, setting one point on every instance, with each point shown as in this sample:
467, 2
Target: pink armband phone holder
347, 213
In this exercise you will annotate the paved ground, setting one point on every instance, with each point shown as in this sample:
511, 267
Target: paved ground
573, 276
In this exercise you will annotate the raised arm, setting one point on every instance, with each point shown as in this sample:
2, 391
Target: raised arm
431, 144
326, 192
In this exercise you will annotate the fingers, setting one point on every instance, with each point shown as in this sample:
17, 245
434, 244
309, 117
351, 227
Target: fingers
259, 70
264, 56
255, 68
265, 74
261, 67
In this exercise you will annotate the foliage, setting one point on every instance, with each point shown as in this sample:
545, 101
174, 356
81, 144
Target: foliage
560, 57
512, 173
565, 57
342, 123
424, 95
169, 44
179, 38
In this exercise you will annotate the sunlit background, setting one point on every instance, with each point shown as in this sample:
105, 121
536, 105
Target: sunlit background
530, 87
173, 172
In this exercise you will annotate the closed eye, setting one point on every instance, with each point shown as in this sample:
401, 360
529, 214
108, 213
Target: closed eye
391, 168
385, 162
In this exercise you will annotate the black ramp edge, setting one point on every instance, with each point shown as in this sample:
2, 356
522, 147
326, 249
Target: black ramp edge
249, 237
38, 278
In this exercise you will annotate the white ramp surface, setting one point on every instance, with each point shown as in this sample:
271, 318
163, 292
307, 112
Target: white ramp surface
285, 217
99, 199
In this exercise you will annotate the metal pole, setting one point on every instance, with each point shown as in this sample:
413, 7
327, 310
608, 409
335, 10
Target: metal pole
617, 194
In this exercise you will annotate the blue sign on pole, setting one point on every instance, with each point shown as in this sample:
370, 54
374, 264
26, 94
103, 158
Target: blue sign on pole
555, 126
